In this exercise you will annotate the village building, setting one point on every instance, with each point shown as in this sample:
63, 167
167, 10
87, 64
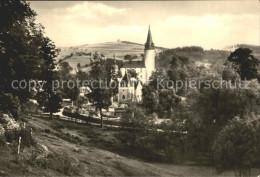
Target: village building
134, 74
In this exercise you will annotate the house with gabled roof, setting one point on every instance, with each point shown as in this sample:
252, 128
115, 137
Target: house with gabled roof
130, 87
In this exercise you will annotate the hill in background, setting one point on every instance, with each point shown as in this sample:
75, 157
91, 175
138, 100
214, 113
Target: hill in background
82, 54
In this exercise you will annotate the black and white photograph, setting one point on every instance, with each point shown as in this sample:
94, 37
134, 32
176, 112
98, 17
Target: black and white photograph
130, 88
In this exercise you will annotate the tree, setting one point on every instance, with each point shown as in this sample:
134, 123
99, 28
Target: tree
133, 73
53, 104
229, 74
49, 52
235, 147
130, 57
81, 76
168, 101
136, 124
101, 90
25, 52
150, 99
16, 45
159, 79
244, 63
48, 97
65, 75
65, 71
181, 68
213, 108
219, 105
158, 96
78, 66
150, 92
10, 104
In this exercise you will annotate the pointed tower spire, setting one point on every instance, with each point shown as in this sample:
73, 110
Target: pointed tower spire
149, 42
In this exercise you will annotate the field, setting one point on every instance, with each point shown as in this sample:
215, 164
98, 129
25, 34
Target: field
68, 148
80, 54
109, 49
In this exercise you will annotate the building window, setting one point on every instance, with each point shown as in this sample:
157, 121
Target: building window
123, 97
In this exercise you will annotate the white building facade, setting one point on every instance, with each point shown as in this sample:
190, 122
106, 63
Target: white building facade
130, 87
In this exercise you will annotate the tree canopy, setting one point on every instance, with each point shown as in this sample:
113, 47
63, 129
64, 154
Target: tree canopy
244, 63
25, 52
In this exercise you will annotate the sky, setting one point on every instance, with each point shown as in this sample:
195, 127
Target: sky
209, 24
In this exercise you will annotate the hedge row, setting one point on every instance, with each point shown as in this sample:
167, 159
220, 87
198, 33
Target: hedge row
90, 119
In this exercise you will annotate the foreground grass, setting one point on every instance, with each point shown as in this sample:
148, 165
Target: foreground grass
72, 149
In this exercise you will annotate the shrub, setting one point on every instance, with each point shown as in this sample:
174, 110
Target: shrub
2, 130
27, 139
257, 138
10, 104
25, 134
8, 122
30, 107
169, 143
47, 131
12, 135
235, 147
60, 162
2, 141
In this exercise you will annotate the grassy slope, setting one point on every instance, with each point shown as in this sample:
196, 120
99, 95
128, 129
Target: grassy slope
77, 149
109, 49
120, 49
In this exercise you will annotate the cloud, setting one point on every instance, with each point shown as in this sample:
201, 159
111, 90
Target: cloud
90, 11
208, 24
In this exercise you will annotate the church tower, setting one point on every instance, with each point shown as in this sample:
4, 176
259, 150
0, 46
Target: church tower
149, 55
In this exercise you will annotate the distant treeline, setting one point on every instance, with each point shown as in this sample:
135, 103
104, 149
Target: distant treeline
127, 42
255, 48
193, 53
75, 54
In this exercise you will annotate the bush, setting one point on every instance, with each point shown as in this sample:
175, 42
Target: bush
25, 134
27, 139
235, 148
10, 104
60, 162
2, 141
12, 135
169, 143
2, 130
130, 57
47, 130
8, 122
30, 107
257, 138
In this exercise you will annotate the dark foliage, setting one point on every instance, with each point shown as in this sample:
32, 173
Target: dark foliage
130, 57
244, 63
10, 104
26, 54
235, 147
12, 136
2, 141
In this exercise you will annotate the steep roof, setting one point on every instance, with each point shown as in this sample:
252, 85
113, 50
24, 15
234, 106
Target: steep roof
126, 77
149, 42
126, 80
138, 82
134, 64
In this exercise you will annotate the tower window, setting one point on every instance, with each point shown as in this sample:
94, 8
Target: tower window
123, 97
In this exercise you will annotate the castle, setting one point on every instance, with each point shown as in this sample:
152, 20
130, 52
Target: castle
136, 73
